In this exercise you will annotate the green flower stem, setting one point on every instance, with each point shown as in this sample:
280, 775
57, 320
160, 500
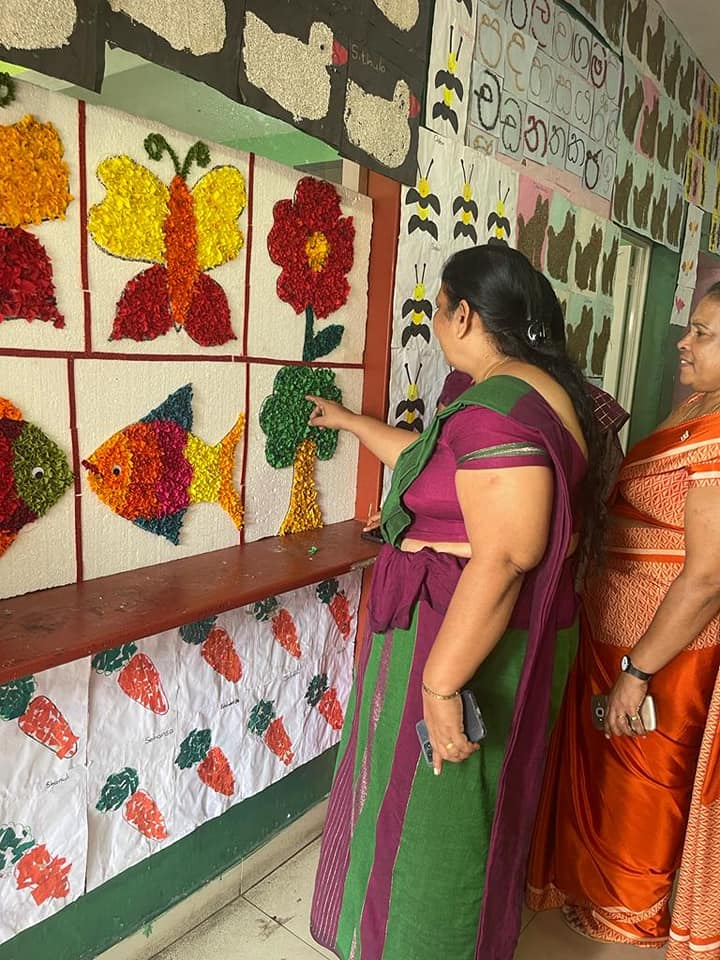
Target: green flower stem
309, 335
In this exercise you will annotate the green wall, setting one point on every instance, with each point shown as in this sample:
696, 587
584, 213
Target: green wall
127, 902
652, 400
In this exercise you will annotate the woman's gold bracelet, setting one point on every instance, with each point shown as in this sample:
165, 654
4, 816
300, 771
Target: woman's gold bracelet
439, 696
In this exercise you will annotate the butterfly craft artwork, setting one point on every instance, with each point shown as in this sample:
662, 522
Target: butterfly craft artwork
182, 231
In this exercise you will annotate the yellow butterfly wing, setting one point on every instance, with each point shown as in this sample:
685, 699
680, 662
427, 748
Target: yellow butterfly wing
219, 199
128, 222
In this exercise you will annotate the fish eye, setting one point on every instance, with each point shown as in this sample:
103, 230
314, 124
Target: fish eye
38, 473
116, 471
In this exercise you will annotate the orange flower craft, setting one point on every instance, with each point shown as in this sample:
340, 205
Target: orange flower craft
314, 245
183, 231
34, 186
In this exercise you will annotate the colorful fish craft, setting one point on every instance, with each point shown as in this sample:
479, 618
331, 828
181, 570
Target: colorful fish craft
183, 231
34, 473
151, 471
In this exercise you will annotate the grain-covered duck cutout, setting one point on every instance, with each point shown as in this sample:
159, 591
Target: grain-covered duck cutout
402, 13
293, 72
194, 25
378, 126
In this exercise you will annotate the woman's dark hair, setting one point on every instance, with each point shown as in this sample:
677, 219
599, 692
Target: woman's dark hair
519, 308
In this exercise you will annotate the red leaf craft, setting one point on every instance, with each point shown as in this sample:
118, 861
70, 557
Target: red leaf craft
27, 287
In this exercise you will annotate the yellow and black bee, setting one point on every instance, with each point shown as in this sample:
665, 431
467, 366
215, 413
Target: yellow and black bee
497, 222
409, 413
419, 309
450, 86
466, 207
425, 199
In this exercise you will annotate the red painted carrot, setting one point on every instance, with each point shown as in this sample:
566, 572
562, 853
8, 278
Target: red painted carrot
37, 717
325, 698
213, 767
329, 593
282, 623
264, 723
45, 875
138, 676
139, 809
216, 647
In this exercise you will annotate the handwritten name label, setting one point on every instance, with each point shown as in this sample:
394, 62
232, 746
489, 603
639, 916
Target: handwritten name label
159, 736
49, 784
229, 703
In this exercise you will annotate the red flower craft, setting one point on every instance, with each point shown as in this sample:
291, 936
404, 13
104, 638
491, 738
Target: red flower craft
314, 245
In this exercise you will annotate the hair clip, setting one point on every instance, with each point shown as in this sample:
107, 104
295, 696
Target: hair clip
536, 332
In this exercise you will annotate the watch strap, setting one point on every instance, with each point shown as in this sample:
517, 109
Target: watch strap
629, 667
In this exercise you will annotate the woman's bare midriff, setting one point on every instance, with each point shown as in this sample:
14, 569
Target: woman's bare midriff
462, 550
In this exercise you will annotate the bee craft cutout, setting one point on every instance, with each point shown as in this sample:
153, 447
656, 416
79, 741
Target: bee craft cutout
466, 207
497, 222
450, 86
425, 200
419, 309
409, 413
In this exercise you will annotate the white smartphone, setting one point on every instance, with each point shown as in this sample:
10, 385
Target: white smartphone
648, 714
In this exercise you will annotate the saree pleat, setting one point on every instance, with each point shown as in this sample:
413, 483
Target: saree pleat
613, 813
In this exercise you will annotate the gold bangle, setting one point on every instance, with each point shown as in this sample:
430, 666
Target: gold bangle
439, 696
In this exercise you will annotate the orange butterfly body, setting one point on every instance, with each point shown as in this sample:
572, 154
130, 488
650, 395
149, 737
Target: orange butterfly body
183, 231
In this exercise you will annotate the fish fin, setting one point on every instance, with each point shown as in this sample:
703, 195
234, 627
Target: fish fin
229, 497
168, 526
177, 408
8, 411
7, 538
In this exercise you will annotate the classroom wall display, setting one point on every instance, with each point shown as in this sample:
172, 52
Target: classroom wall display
702, 173
168, 294
62, 38
211, 714
450, 66
351, 74
545, 89
654, 124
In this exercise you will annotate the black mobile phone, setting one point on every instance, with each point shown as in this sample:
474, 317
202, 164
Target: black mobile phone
475, 729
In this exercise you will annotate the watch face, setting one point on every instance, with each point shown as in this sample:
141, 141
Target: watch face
624, 663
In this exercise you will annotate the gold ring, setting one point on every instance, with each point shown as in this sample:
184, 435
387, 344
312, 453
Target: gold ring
635, 716
449, 746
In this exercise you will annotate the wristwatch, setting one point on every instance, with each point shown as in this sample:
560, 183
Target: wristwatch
627, 666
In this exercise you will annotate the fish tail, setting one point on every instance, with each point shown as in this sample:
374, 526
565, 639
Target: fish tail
7, 538
228, 496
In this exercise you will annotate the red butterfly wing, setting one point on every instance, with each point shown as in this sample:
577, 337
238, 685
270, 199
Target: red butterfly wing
208, 318
143, 311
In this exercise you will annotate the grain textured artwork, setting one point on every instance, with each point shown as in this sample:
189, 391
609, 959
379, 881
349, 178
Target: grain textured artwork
35, 187
153, 470
314, 246
197, 26
293, 442
183, 231
34, 473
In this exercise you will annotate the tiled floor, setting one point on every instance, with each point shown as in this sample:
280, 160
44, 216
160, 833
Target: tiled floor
270, 922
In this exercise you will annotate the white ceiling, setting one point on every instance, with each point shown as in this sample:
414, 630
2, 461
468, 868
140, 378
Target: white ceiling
699, 23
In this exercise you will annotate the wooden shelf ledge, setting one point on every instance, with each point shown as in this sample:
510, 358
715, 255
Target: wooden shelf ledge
51, 627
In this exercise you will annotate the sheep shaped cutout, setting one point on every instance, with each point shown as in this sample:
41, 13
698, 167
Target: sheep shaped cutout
378, 126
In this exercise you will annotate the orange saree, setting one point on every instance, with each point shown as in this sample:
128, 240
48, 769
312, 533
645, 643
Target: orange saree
614, 813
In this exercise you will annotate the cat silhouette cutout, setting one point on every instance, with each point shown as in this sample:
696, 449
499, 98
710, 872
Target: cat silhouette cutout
657, 218
531, 235
641, 201
635, 27
587, 259
609, 265
578, 338
655, 47
648, 131
621, 194
560, 248
632, 105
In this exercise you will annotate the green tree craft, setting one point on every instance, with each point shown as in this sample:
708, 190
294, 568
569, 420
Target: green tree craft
291, 441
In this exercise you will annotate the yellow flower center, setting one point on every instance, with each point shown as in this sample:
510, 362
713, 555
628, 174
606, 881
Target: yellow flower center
317, 250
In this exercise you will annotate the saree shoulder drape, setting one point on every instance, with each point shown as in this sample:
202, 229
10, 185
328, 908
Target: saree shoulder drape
613, 814
413, 866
